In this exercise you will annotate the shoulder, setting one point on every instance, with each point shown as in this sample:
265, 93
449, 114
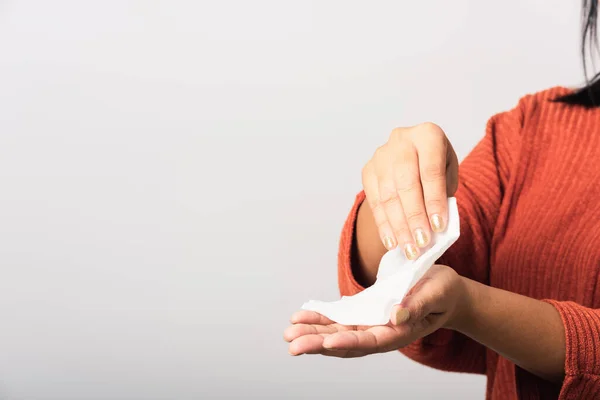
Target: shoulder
534, 110
540, 102
546, 100
547, 96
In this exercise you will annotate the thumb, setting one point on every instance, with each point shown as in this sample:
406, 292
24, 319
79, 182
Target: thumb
426, 297
414, 307
399, 315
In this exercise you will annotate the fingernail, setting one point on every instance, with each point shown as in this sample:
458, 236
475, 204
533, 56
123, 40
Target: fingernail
437, 224
388, 242
402, 315
421, 237
411, 251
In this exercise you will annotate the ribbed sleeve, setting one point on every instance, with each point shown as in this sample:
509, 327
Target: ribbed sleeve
582, 362
346, 280
483, 177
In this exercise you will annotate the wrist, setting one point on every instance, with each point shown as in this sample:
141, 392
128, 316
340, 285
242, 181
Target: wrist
464, 313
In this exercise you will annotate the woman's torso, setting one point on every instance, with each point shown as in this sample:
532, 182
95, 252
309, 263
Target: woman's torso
545, 243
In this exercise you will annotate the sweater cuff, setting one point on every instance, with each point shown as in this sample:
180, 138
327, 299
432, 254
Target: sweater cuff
582, 359
347, 282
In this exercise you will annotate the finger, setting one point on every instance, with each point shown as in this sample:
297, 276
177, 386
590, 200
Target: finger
389, 201
418, 305
362, 341
295, 331
371, 188
399, 315
344, 353
313, 344
309, 344
377, 339
392, 206
432, 150
309, 317
426, 297
408, 186
411, 325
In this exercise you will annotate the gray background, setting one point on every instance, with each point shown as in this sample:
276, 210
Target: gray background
174, 176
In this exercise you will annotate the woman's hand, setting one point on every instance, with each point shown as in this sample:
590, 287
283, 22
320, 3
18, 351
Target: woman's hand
407, 183
440, 299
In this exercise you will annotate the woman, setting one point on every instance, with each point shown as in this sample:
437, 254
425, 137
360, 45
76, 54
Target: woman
517, 296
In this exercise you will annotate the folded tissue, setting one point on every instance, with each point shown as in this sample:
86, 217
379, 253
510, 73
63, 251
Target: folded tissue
396, 276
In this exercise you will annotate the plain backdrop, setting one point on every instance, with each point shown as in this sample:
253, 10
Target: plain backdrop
174, 176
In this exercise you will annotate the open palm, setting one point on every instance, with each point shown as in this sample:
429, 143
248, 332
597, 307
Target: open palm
426, 308
312, 333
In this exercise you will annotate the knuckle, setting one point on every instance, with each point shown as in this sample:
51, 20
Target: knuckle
415, 215
380, 223
418, 309
397, 132
407, 187
390, 200
438, 294
430, 128
373, 203
380, 151
387, 191
391, 204
406, 155
433, 172
402, 233
434, 204
407, 179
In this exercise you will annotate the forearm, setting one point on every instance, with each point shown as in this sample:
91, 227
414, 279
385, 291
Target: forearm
367, 249
526, 331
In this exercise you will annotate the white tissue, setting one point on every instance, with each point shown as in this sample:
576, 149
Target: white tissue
396, 276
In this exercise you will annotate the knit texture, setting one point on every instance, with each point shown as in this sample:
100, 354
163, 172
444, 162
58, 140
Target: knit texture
530, 224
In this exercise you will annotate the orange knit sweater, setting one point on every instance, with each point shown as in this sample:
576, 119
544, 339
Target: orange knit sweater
530, 224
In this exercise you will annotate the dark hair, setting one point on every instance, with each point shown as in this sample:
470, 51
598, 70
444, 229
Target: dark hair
589, 95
